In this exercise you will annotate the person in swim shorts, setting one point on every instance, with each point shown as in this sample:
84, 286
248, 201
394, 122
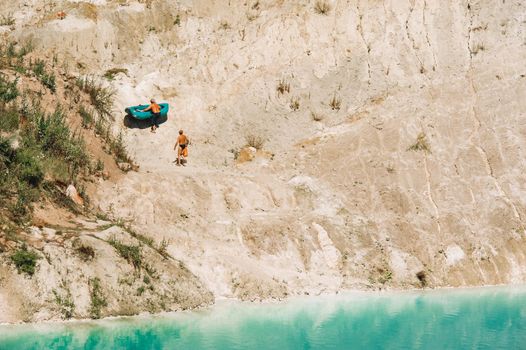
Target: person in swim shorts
182, 141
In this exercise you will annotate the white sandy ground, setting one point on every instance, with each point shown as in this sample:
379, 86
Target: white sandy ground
332, 204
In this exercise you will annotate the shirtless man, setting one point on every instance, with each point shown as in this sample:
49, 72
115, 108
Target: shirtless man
156, 113
182, 141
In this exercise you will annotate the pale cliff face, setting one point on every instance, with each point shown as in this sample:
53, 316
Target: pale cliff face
343, 202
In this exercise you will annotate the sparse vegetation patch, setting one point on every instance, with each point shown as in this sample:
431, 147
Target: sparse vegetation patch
335, 103
283, 87
322, 7
422, 277
46, 78
131, 253
25, 260
101, 97
98, 299
317, 117
478, 48
255, 141
85, 252
7, 20
421, 144
65, 304
111, 73
8, 89
294, 103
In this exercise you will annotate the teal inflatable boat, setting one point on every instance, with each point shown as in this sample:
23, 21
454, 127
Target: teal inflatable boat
137, 113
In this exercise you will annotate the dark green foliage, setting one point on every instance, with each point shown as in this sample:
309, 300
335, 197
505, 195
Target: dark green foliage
55, 139
9, 51
131, 253
101, 97
66, 304
9, 119
98, 299
45, 77
99, 166
39, 67
25, 260
48, 79
118, 149
21, 209
87, 118
46, 149
7, 153
8, 89
85, 252
422, 278
30, 169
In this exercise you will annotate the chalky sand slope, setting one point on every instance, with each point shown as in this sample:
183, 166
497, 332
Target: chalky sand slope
393, 157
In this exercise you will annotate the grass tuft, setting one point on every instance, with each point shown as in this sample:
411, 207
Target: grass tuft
255, 141
322, 7
421, 144
335, 103
294, 103
7, 20
101, 97
132, 254
111, 73
283, 87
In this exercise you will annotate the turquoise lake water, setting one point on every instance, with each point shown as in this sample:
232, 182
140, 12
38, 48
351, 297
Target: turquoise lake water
484, 318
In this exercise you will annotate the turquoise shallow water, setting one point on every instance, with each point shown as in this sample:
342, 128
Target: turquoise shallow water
485, 318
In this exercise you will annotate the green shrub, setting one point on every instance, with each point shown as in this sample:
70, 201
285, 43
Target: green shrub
39, 67
99, 166
48, 79
7, 153
9, 119
131, 253
85, 252
52, 135
118, 149
87, 117
101, 97
9, 49
21, 209
30, 169
66, 304
98, 299
25, 260
8, 90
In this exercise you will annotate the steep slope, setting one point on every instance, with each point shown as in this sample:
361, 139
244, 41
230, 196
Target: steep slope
400, 165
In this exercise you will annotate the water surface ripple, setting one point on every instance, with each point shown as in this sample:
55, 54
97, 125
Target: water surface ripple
484, 318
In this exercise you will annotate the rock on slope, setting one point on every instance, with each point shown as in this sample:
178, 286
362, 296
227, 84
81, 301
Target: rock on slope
395, 158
